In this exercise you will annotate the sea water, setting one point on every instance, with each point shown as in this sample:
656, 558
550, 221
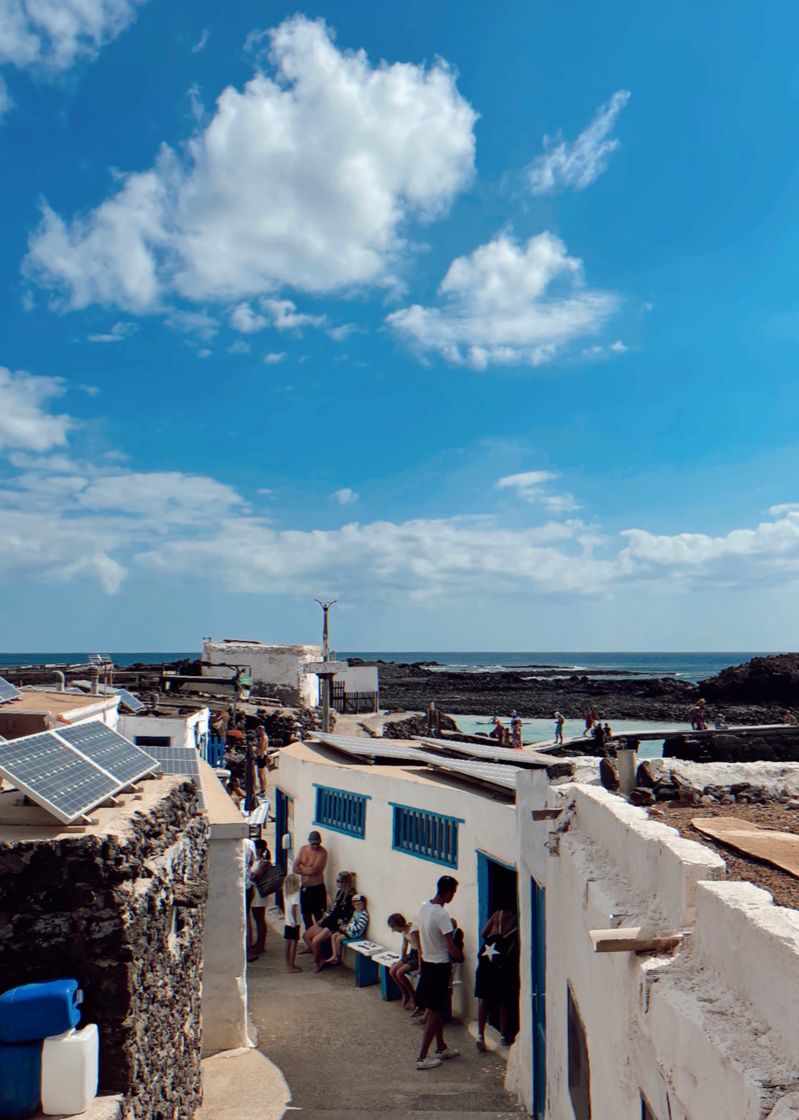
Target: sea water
543, 730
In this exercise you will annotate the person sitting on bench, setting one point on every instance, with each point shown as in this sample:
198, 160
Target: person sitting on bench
409, 958
353, 931
317, 936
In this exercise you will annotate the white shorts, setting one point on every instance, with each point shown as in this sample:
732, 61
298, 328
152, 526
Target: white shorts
258, 903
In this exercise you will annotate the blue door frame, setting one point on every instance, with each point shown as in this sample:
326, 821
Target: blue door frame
483, 893
538, 971
281, 827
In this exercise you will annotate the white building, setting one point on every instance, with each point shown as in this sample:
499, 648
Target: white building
707, 1032
189, 729
279, 670
356, 689
363, 813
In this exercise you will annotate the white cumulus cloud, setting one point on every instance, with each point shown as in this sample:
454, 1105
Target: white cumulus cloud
507, 303
579, 163
304, 178
54, 34
24, 420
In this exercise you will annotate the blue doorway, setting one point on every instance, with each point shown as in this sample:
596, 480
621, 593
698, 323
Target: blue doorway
538, 968
283, 822
497, 889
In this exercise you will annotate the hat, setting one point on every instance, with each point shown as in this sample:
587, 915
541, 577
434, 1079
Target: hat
314, 837
358, 898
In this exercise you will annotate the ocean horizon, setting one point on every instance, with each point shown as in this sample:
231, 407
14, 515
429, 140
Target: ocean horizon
688, 665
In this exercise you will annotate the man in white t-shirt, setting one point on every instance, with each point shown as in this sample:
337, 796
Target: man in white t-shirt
438, 950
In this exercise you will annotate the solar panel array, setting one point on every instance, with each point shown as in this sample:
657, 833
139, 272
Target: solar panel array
8, 691
110, 750
491, 773
358, 746
484, 752
69, 778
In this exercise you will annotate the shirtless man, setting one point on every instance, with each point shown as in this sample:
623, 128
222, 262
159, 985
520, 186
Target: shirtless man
310, 865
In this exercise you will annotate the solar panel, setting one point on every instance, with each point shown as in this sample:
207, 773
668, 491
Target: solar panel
55, 776
486, 753
8, 691
358, 746
131, 702
109, 749
177, 760
490, 773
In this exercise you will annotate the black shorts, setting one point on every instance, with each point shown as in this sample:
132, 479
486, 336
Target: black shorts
432, 991
412, 960
313, 903
260, 761
291, 933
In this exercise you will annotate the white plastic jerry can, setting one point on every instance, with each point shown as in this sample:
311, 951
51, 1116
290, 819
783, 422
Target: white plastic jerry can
70, 1071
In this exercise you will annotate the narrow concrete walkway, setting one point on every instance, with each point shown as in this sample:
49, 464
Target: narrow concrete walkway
346, 1053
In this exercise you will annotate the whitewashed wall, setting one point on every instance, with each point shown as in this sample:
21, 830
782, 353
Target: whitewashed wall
358, 678
183, 731
394, 880
224, 990
270, 664
705, 1033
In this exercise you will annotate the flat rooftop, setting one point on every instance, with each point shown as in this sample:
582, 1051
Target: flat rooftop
36, 702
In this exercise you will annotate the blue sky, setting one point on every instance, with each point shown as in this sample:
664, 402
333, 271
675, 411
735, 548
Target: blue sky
483, 320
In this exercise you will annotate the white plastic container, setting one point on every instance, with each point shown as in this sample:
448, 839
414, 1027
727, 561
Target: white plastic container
70, 1070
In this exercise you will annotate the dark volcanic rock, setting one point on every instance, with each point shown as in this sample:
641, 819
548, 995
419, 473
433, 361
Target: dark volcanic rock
728, 747
411, 687
763, 680
415, 725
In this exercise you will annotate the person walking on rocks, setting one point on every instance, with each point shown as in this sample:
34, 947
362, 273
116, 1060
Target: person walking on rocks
310, 865
438, 950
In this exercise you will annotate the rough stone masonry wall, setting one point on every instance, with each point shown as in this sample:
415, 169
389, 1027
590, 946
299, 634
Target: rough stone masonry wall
124, 916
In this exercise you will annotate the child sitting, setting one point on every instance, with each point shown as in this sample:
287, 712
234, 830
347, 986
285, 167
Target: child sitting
409, 958
291, 930
353, 931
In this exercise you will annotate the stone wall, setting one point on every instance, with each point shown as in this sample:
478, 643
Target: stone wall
124, 915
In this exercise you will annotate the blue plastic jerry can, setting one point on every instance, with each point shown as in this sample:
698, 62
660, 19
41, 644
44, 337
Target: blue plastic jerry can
20, 1079
36, 1011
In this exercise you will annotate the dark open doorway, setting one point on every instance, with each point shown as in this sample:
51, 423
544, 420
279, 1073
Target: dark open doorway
497, 885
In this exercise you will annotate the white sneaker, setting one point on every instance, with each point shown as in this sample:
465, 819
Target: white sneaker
443, 1055
427, 1063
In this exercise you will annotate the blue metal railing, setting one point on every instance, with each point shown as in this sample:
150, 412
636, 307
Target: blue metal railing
341, 810
426, 835
213, 750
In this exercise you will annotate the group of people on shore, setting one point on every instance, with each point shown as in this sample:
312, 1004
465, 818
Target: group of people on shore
510, 736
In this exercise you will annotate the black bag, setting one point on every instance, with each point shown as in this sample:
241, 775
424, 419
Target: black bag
270, 882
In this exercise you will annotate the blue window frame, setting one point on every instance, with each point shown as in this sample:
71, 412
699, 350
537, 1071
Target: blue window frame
341, 810
431, 836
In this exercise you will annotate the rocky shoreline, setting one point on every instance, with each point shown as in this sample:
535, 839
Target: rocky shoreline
757, 692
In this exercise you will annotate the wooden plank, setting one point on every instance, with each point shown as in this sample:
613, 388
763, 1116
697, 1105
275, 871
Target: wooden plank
778, 848
633, 939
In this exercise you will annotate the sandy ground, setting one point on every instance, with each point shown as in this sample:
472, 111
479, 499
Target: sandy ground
345, 1053
783, 886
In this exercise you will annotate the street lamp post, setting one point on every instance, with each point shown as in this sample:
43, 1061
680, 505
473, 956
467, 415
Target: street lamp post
327, 680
